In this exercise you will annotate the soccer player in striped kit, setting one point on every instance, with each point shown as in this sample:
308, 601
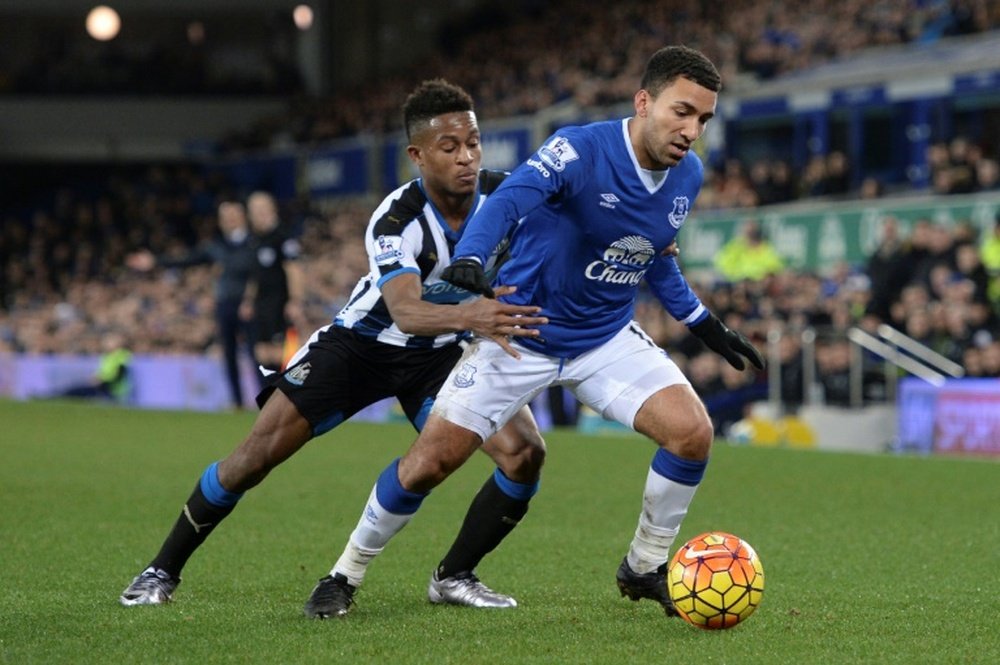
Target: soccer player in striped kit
398, 336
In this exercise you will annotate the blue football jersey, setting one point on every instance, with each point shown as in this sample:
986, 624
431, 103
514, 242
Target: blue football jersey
589, 224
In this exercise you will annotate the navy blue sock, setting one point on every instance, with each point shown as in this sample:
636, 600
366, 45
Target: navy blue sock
496, 510
208, 505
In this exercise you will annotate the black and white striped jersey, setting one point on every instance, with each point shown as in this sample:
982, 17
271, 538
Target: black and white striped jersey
406, 234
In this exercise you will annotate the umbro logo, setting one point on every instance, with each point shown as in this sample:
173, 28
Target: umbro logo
609, 200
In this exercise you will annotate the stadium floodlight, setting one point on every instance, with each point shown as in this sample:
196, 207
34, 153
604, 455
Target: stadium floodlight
103, 23
303, 17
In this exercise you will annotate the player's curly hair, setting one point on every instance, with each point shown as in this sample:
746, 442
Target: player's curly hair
671, 62
430, 99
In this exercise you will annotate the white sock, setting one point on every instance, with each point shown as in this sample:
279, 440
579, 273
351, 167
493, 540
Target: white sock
664, 505
374, 530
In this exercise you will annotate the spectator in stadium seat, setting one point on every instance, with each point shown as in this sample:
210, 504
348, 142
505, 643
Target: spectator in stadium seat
782, 182
990, 253
838, 174
388, 341
987, 175
833, 362
748, 255
887, 269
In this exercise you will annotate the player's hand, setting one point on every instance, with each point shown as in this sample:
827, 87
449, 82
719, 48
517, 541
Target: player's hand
500, 321
729, 344
469, 275
673, 249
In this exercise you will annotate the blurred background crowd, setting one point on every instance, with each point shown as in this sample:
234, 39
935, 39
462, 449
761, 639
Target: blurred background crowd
65, 281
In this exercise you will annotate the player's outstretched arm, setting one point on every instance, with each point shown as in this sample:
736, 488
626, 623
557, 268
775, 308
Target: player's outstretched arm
483, 316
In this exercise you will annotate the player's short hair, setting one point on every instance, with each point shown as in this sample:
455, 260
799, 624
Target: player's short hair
431, 99
671, 62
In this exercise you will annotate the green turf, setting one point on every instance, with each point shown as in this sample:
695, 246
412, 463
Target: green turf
868, 558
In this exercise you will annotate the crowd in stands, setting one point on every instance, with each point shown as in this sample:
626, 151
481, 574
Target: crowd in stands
526, 56
64, 283
65, 286
940, 285
958, 166
508, 56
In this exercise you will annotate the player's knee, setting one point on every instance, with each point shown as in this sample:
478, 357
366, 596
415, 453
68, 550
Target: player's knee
429, 472
532, 456
525, 464
243, 470
696, 440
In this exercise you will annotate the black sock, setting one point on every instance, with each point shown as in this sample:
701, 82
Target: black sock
196, 521
492, 515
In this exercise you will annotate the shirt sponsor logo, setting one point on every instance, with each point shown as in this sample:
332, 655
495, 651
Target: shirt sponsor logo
466, 375
624, 262
682, 206
557, 153
388, 250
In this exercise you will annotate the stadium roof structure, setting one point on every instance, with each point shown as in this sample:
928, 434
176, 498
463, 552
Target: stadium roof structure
948, 67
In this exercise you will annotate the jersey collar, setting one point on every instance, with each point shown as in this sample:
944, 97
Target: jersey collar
647, 177
448, 232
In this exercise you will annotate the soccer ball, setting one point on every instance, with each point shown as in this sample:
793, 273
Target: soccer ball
716, 580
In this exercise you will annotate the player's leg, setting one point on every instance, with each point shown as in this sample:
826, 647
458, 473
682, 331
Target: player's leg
658, 402
300, 403
676, 419
440, 448
467, 411
278, 432
518, 450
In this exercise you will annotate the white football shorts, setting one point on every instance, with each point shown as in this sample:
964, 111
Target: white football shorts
487, 386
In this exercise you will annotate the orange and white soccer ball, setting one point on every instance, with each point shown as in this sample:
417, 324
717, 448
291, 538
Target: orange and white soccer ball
716, 580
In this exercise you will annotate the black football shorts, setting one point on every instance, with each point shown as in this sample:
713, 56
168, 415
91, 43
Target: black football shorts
343, 372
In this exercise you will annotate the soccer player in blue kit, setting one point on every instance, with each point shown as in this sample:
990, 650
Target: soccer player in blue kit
593, 213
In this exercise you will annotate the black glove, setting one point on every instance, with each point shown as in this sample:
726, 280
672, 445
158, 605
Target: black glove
469, 275
729, 344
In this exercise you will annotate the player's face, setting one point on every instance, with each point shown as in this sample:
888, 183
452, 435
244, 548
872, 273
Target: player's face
448, 153
667, 125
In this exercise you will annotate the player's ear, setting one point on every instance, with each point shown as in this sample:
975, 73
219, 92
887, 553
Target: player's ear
415, 154
642, 101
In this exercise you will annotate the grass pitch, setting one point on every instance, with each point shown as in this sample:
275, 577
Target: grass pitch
875, 559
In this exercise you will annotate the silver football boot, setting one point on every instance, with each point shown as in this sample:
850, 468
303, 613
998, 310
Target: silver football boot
465, 589
151, 587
